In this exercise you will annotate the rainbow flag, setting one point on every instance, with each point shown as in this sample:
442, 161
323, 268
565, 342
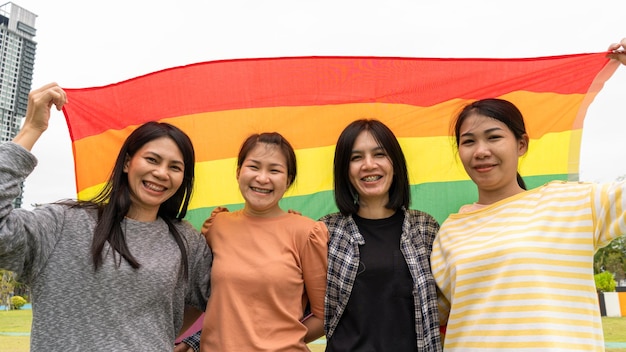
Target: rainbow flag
311, 99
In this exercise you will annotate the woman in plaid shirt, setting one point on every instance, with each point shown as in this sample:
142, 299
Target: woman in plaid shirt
381, 295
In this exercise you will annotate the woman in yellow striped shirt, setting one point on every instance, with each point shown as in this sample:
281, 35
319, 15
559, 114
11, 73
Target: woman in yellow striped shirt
515, 269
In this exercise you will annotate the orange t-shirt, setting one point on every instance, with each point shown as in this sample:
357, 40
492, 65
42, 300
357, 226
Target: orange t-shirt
260, 269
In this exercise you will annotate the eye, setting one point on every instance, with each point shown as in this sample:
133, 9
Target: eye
494, 137
176, 168
380, 155
151, 160
467, 141
355, 157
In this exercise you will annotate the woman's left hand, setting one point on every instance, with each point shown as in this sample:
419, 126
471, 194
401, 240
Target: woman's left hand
618, 51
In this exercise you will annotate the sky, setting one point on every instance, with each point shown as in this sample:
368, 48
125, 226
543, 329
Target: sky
92, 43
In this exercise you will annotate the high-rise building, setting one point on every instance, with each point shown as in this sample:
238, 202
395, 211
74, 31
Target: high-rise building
17, 61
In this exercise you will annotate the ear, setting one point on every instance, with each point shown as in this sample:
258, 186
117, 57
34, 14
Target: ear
523, 145
238, 172
126, 162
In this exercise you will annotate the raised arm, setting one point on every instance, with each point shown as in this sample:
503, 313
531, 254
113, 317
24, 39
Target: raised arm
40, 101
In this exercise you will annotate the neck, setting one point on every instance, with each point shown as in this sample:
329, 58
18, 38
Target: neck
374, 212
486, 197
374, 208
143, 215
263, 213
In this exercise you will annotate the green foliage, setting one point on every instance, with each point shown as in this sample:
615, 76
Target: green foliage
605, 282
612, 258
7, 285
17, 302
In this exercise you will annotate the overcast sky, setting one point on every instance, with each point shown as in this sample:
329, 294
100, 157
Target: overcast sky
91, 43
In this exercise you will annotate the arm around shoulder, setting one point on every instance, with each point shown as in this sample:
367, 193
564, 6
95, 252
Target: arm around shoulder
426, 224
315, 328
314, 268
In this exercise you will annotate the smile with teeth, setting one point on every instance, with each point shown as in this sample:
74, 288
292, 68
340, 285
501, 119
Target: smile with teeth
153, 187
371, 178
261, 190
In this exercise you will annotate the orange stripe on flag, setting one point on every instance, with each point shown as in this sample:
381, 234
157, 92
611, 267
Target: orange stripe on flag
311, 99
306, 81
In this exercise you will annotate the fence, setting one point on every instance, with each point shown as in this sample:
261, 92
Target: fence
613, 304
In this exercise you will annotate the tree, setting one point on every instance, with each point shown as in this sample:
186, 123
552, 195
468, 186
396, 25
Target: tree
612, 258
7, 286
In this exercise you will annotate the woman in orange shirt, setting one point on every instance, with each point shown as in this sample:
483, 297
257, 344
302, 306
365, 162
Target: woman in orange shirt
268, 264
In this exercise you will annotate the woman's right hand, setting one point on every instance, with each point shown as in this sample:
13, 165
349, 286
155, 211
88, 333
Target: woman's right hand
40, 101
209, 221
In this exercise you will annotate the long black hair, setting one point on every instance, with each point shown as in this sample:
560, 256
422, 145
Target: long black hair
113, 201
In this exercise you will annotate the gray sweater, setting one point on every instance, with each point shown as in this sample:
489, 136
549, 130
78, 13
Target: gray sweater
114, 308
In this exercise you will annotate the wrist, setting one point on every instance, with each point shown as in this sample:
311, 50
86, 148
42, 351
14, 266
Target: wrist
27, 137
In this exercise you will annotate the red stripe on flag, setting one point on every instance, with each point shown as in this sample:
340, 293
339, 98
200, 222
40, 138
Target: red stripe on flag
274, 82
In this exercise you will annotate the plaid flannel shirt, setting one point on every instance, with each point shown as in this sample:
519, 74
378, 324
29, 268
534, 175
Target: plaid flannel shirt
418, 233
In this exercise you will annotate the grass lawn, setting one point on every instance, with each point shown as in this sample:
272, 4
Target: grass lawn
614, 331
18, 321
15, 322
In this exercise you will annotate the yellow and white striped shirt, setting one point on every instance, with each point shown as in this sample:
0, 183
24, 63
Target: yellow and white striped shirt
517, 275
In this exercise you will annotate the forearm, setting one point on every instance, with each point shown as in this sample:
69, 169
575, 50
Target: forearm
191, 315
315, 328
27, 137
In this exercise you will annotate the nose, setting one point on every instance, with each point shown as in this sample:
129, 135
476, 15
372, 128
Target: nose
160, 171
262, 176
482, 150
368, 162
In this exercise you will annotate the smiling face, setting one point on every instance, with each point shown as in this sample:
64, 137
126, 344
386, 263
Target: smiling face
371, 171
489, 152
155, 172
263, 180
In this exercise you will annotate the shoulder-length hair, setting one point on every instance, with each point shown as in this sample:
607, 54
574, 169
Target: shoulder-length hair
345, 193
114, 201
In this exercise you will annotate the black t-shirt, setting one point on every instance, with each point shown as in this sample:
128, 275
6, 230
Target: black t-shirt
380, 312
